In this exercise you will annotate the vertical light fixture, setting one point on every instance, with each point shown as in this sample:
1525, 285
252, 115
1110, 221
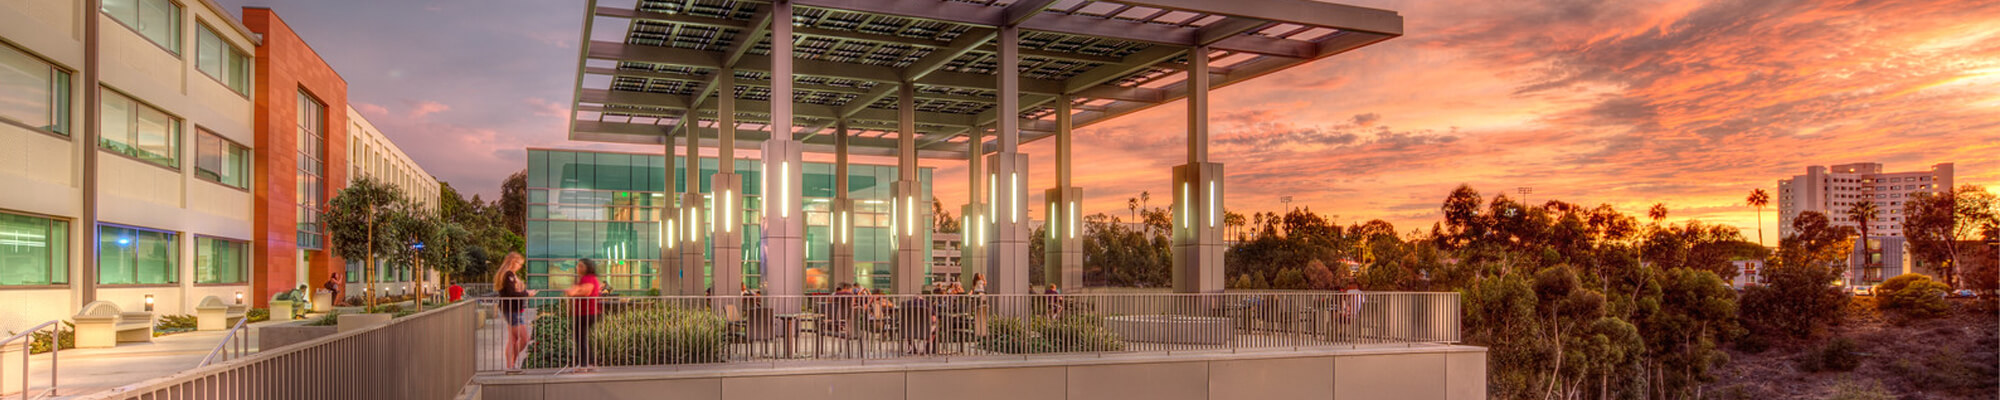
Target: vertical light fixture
910, 215
1072, 219
993, 196
1186, 197
728, 217
149, 302
1211, 204
1014, 197
784, 189
1051, 224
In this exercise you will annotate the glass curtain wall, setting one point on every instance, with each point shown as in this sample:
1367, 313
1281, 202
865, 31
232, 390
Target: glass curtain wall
606, 206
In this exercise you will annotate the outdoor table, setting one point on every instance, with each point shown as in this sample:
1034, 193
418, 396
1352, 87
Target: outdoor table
792, 322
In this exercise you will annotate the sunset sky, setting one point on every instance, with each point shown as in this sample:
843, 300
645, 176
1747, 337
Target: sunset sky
1687, 103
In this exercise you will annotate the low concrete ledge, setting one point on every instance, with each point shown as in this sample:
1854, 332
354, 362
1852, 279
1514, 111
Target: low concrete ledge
1400, 372
285, 334
350, 322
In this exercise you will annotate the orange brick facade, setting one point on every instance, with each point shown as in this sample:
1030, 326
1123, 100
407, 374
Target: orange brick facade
286, 66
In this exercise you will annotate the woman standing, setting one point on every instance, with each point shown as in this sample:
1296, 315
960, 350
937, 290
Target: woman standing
513, 293
584, 311
979, 283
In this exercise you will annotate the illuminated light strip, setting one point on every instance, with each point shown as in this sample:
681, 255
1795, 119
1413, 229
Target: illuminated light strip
1014, 197
1186, 197
992, 195
725, 207
910, 216
784, 189
893, 206
1052, 219
1211, 204
1072, 219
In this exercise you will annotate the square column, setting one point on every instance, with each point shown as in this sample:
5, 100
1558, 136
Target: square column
842, 227
1062, 249
973, 233
688, 230
783, 234
667, 274
725, 221
1198, 226
912, 261
1007, 248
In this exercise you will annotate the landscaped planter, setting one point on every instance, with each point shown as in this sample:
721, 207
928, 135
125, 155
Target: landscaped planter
280, 335
350, 322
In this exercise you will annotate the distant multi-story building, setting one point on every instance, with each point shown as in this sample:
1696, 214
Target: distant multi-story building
945, 256
1832, 191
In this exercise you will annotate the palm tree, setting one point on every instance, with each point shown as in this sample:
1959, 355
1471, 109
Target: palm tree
1234, 223
1133, 204
1759, 198
1658, 212
1862, 213
1145, 196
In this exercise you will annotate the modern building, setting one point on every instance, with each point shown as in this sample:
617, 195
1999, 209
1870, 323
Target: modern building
1832, 191
610, 207
945, 256
151, 157
371, 154
947, 80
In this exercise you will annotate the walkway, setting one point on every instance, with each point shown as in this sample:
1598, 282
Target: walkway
87, 371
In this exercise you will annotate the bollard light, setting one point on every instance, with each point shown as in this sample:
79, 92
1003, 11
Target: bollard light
149, 302
239, 297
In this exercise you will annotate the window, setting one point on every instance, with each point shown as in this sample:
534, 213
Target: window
220, 60
141, 131
135, 256
33, 92
221, 161
33, 250
312, 167
157, 20
219, 260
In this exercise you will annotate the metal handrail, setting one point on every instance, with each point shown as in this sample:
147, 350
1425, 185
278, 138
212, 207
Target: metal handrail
55, 347
242, 344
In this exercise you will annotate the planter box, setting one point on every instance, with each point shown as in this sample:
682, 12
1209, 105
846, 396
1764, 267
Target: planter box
350, 322
281, 335
322, 301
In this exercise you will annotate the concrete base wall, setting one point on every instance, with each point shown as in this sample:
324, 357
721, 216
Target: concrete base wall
1432, 372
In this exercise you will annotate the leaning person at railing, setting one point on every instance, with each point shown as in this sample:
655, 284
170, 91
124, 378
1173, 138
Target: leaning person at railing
513, 305
584, 312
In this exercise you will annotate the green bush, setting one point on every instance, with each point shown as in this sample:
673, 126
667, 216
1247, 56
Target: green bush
172, 324
1914, 295
40, 340
634, 336
258, 315
330, 319
1071, 333
1839, 354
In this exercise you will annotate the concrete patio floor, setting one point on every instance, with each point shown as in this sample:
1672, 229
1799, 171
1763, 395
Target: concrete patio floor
82, 372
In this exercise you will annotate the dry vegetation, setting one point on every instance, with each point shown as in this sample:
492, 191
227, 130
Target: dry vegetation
1953, 357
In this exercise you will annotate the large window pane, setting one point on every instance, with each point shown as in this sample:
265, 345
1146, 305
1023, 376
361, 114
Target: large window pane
33, 250
218, 260
220, 161
157, 20
136, 256
33, 92
140, 131
222, 61
312, 164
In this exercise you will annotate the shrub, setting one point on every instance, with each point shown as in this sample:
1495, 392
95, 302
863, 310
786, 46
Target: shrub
641, 336
330, 319
1837, 355
172, 324
39, 341
1914, 295
1796, 302
258, 315
1071, 333
1859, 391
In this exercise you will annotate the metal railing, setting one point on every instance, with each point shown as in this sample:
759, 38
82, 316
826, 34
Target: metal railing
424, 356
235, 344
564, 333
27, 352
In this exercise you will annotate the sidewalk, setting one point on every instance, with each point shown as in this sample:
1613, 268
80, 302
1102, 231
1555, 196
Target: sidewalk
87, 371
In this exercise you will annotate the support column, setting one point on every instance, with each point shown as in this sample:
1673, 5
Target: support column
1198, 245
784, 222
667, 274
725, 257
842, 224
1063, 248
912, 261
1007, 260
689, 231
972, 225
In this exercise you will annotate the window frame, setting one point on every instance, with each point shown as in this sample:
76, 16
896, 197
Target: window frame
174, 279
61, 82
246, 168
311, 202
69, 278
243, 261
178, 28
133, 122
229, 61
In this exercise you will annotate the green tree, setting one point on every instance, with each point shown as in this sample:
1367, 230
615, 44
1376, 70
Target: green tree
514, 202
1696, 309
1759, 198
1914, 295
358, 225
1942, 227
